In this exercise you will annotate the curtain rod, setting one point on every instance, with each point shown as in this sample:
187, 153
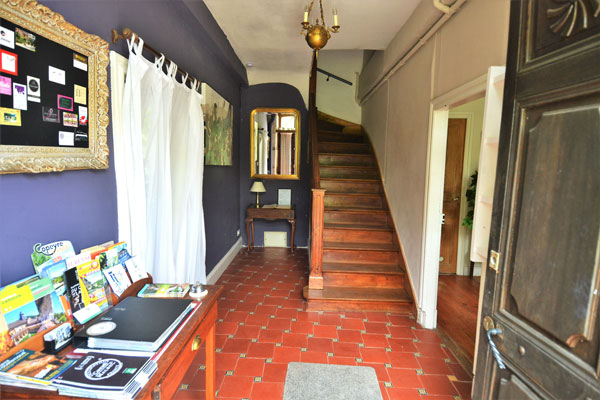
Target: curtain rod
127, 33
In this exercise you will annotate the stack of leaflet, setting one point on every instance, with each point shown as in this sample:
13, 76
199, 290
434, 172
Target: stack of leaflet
106, 376
139, 324
28, 368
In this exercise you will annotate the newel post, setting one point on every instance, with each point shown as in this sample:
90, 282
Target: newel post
315, 280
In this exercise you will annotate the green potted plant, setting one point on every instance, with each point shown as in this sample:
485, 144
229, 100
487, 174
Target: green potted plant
470, 195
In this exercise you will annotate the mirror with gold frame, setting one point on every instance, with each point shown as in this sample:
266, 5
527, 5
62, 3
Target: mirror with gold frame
62, 126
275, 143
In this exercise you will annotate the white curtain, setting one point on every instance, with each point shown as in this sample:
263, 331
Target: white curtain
129, 159
187, 165
162, 151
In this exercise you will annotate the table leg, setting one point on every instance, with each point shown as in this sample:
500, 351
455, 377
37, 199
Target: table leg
252, 228
248, 235
293, 223
210, 364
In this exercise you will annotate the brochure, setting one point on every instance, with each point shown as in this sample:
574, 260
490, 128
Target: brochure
28, 311
92, 284
32, 366
117, 278
136, 272
51, 253
164, 290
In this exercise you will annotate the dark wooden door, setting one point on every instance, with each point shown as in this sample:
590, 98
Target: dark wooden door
455, 150
543, 298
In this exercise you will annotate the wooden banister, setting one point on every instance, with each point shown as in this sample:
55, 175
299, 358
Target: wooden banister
315, 280
312, 123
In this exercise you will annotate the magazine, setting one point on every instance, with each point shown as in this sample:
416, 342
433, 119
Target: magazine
33, 367
164, 290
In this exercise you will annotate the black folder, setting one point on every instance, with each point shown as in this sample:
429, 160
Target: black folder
136, 323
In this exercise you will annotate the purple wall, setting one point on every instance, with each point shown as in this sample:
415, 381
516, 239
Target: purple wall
81, 205
278, 95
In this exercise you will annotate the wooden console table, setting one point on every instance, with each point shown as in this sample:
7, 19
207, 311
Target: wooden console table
172, 365
270, 214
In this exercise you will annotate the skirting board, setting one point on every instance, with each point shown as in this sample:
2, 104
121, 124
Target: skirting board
222, 265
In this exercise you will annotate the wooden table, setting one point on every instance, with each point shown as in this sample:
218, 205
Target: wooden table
270, 214
172, 365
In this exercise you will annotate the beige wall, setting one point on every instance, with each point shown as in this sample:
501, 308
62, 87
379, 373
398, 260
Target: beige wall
334, 97
471, 41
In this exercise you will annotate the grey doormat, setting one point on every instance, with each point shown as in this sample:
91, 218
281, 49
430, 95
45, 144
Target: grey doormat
306, 381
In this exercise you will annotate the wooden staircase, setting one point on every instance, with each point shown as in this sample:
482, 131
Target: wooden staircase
362, 267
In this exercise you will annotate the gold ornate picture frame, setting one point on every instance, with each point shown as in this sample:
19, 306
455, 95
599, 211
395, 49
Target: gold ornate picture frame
39, 21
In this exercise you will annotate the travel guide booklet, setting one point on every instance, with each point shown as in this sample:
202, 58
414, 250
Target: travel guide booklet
164, 290
135, 270
28, 310
51, 253
106, 376
92, 284
32, 366
117, 278
114, 255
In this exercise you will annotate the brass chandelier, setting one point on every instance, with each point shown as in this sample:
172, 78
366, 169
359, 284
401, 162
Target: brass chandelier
318, 33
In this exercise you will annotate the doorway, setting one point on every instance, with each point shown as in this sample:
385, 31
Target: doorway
455, 151
445, 107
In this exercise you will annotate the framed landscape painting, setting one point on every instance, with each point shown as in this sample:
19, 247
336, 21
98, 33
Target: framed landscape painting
218, 133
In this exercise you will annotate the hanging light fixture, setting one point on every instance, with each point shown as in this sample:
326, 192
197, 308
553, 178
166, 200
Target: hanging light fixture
318, 33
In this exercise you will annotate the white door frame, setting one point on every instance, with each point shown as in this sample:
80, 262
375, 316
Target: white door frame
434, 193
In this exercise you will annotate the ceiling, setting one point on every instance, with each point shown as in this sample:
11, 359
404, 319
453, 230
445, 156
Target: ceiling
266, 33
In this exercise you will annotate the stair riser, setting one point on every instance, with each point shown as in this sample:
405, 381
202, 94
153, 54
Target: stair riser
340, 137
351, 187
357, 236
346, 159
344, 148
369, 218
353, 201
360, 256
342, 279
341, 305
361, 172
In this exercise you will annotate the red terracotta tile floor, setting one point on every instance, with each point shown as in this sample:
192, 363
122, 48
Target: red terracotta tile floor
263, 326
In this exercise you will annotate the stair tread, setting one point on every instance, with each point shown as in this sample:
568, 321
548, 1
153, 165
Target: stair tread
358, 226
354, 208
339, 132
349, 194
360, 246
390, 269
359, 294
345, 154
362, 144
371, 180
345, 166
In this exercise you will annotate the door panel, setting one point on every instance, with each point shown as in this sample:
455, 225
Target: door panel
455, 150
562, 192
546, 214
514, 389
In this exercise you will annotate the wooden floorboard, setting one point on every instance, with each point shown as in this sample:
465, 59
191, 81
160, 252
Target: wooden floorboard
458, 298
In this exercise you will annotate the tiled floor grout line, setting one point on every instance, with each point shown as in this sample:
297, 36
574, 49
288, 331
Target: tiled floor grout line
262, 326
